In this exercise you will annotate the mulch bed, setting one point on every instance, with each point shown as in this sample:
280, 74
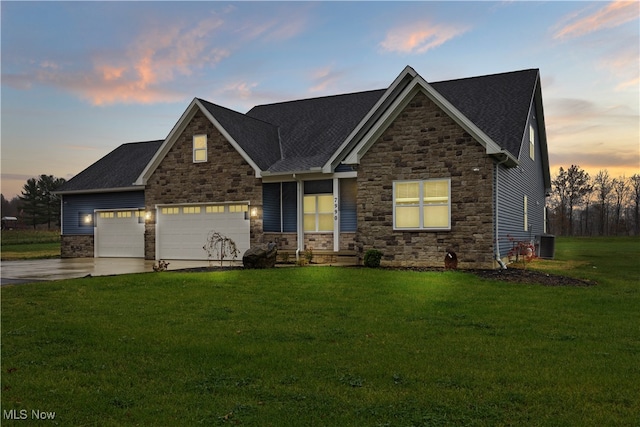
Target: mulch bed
510, 275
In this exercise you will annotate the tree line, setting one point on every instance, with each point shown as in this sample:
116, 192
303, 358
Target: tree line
581, 205
37, 204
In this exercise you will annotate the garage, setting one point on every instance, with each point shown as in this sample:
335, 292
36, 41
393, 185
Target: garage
119, 234
181, 231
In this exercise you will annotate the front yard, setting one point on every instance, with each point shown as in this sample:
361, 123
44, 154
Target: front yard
330, 346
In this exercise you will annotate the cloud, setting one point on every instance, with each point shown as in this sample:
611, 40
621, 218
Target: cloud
610, 16
420, 37
141, 73
324, 78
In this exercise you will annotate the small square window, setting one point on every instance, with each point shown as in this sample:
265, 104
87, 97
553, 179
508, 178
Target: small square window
238, 208
191, 210
215, 209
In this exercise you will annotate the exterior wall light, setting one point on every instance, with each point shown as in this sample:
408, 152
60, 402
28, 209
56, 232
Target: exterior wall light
254, 212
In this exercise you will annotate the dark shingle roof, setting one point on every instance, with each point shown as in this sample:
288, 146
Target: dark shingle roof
118, 169
498, 104
311, 130
256, 137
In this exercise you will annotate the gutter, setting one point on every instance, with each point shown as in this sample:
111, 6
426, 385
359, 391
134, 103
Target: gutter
100, 190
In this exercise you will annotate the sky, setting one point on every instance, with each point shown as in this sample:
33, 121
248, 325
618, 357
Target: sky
81, 78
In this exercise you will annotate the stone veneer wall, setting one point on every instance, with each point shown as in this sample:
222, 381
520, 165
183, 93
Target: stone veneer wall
422, 143
76, 246
225, 177
319, 241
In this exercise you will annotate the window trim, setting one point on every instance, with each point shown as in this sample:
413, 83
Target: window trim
532, 142
317, 214
421, 205
197, 150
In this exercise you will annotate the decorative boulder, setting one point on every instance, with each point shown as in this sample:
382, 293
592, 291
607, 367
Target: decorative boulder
260, 256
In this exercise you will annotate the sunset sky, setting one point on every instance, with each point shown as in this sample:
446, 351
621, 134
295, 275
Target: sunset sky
81, 78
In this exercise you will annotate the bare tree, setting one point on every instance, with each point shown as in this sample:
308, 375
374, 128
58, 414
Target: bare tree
603, 187
634, 183
571, 187
620, 191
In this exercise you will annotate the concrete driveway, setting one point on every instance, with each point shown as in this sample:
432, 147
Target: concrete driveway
15, 272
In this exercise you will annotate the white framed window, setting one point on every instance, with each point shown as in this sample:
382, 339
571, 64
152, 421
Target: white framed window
532, 140
318, 212
238, 208
422, 205
215, 209
191, 210
170, 211
199, 148
105, 215
124, 214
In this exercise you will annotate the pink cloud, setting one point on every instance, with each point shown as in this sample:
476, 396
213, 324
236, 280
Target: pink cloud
612, 15
143, 72
420, 37
325, 78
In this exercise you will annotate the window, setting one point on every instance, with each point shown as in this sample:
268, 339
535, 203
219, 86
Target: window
238, 208
318, 212
199, 148
215, 209
170, 211
532, 138
105, 215
422, 205
123, 214
525, 214
191, 210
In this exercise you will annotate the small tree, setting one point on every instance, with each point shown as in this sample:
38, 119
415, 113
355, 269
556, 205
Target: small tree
219, 244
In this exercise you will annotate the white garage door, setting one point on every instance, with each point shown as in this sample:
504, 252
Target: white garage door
119, 234
181, 231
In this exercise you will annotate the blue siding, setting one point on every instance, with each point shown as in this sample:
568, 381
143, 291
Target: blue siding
272, 217
348, 212
279, 202
512, 185
75, 205
289, 207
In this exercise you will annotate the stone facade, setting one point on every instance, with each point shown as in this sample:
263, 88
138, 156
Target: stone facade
225, 177
76, 246
423, 142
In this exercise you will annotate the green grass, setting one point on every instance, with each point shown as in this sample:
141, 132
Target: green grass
331, 346
30, 244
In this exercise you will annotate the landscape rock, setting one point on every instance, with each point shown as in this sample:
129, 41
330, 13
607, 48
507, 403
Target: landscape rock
260, 256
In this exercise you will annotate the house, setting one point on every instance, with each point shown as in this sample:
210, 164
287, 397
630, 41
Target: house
412, 170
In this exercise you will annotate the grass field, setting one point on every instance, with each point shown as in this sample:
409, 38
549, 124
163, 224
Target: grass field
327, 346
29, 244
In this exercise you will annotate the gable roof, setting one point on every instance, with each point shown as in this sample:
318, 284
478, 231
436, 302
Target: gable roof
498, 104
311, 130
317, 134
118, 170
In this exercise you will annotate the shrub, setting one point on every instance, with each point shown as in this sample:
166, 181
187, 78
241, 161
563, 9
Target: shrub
372, 258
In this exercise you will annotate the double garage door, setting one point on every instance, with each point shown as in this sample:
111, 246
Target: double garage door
181, 231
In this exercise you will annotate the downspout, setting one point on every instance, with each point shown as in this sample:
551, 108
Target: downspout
299, 219
497, 237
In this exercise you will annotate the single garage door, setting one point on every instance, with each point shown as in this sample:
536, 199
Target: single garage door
181, 231
119, 234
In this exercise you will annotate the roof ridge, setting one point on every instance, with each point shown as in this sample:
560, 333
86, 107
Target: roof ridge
486, 75
319, 97
236, 112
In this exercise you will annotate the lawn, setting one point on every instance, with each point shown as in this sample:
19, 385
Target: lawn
329, 346
30, 244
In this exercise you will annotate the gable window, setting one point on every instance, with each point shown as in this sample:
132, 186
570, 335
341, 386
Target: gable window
532, 139
422, 205
199, 148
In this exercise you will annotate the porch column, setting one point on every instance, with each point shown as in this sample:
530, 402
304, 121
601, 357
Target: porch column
336, 215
